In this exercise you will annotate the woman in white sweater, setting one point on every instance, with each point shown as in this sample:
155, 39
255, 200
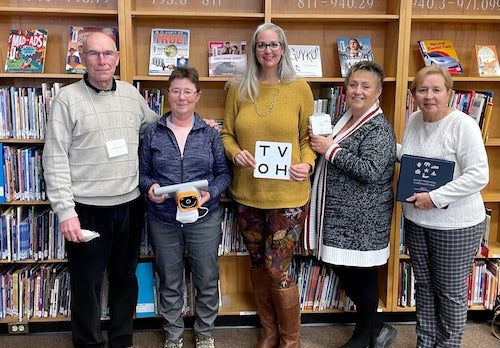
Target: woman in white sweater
443, 227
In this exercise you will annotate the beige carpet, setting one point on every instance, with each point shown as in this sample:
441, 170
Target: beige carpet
477, 335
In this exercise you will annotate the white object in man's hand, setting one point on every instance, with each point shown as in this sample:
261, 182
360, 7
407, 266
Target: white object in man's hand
88, 235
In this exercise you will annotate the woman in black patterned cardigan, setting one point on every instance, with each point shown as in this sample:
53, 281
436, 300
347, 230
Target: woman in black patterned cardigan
353, 182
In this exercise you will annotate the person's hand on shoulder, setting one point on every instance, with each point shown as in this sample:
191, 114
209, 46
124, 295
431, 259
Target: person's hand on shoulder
212, 123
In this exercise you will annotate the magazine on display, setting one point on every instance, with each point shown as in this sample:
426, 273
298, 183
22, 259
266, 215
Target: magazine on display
487, 60
26, 51
352, 50
169, 49
306, 60
227, 58
440, 53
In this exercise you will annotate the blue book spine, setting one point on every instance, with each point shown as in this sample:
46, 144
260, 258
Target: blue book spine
24, 240
145, 300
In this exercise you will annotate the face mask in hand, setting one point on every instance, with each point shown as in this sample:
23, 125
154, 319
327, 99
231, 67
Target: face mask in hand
187, 217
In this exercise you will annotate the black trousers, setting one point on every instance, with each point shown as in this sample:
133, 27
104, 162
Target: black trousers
115, 253
361, 285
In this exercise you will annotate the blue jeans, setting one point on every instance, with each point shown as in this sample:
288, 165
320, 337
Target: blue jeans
199, 242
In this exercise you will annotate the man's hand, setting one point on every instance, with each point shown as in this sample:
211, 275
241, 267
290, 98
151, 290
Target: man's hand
71, 229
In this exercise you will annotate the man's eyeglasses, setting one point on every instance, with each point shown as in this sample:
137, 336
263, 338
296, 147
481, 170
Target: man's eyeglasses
187, 92
108, 55
261, 46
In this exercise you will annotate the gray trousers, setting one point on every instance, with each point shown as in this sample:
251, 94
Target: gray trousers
171, 245
442, 261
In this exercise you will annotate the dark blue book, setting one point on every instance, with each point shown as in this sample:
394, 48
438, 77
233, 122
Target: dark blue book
422, 174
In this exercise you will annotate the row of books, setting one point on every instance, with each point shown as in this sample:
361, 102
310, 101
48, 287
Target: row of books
155, 99
482, 250
406, 284
483, 284
30, 233
319, 287
34, 291
148, 295
21, 177
232, 241
477, 104
331, 101
44, 291
24, 110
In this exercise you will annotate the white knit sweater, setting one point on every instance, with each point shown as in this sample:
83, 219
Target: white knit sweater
457, 138
75, 160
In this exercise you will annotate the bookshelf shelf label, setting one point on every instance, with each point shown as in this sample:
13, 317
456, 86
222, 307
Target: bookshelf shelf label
329, 6
199, 5
455, 6
70, 4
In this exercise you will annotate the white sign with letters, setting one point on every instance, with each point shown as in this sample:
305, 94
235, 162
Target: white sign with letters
273, 160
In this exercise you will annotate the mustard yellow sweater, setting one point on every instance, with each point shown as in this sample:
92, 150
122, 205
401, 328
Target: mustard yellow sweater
286, 121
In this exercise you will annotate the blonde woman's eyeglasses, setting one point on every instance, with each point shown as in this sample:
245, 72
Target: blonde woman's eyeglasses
261, 46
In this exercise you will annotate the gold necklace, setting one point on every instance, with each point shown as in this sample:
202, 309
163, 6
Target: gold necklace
271, 106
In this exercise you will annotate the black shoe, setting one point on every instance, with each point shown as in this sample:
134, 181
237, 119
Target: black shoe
357, 342
351, 344
386, 337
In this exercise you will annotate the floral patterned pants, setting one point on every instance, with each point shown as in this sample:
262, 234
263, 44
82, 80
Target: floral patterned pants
270, 236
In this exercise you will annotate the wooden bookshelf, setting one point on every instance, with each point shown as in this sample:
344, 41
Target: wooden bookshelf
393, 26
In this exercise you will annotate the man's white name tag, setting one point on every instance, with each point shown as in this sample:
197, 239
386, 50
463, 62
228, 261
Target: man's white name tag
116, 147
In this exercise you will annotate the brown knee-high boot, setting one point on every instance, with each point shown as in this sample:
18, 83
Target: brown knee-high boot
286, 302
269, 334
